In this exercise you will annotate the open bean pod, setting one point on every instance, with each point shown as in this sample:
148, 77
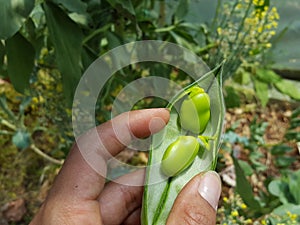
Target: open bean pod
184, 148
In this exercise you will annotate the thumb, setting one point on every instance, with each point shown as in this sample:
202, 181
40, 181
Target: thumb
198, 201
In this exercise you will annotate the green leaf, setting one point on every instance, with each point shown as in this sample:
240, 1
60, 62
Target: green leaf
6, 109
159, 196
284, 161
182, 9
280, 189
284, 209
294, 123
2, 53
296, 113
127, 5
289, 88
267, 76
67, 39
20, 61
232, 98
293, 135
293, 182
244, 189
21, 139
246, 167
281, 149
3, 70
262, 93
77, 6
13, 14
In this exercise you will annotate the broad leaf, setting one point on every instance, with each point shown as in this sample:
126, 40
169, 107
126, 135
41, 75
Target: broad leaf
20, 61
289, 207
244, 189
13, 14
293, 181
289, 88
267, 76
67, 39
160, 193
262, 92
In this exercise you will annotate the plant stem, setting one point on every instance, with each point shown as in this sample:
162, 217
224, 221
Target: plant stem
8, 124
45, 156
32, 146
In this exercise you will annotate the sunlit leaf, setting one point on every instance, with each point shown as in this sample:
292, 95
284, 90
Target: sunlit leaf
289, 88
262, 92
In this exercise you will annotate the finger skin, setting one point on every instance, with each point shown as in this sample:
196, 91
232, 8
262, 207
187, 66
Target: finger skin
122, 199
190, 208
73, 198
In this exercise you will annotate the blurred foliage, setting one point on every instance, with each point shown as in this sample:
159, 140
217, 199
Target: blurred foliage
47, 31
46, 45
277, 199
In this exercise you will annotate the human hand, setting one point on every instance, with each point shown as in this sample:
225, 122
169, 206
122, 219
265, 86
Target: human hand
79, 194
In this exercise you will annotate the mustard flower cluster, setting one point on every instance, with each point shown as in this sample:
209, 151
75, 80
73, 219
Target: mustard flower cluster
287, 219
245, 28
233, 211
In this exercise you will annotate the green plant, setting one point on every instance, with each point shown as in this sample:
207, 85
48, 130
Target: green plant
234, 211
159, 196
273, 201
286, 189
293, 131
21, 136
42, 34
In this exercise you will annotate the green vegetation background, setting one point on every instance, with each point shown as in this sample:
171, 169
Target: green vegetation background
46, 45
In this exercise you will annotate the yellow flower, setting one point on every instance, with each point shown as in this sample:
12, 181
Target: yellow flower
272, 32
293, 217
264, 222
59, 88
274, 10
44, 51
41, 99
261, 2
225, 199
268, 26
260, 29
268, 45
248, 221
239, 6
234, 213
274, 24
35, 100
219, 30
243, 206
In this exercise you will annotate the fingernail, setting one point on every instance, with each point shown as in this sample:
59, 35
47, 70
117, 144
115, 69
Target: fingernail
210, 188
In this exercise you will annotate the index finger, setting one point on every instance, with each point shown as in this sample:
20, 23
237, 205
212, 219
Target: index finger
83, 173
